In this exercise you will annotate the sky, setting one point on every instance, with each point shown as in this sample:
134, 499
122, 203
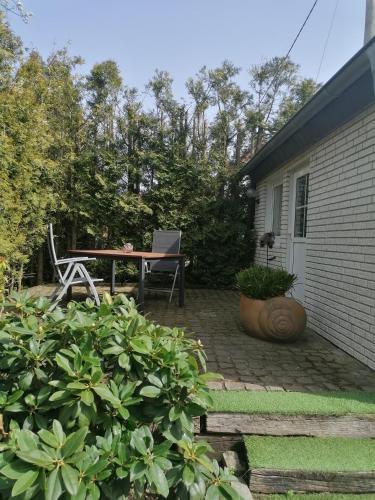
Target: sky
181, 36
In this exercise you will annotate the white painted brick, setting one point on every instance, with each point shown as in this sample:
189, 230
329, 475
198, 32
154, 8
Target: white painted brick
340, 247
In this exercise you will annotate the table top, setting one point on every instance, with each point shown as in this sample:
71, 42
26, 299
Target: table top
120, 254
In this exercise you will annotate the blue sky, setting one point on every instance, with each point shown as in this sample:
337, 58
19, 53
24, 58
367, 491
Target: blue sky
183, 35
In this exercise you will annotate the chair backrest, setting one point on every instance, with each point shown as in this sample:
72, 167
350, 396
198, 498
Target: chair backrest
165, 242
52, 250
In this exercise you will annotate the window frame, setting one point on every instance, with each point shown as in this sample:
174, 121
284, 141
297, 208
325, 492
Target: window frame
272, 182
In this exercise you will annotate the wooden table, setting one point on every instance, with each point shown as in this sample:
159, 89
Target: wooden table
140, 258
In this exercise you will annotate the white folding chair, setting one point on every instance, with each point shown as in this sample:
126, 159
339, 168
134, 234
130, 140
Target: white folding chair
75, 273
165, 242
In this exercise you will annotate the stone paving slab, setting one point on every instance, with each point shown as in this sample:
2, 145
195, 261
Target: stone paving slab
310, 364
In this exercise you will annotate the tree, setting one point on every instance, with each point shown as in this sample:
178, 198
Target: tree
15, 7
26, 173
66, 121
10, 52
269, 83
83, 152
277, 93
300, 93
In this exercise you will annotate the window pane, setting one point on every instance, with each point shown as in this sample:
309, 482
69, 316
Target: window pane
300, 218
299, 224
277, 203
302, 186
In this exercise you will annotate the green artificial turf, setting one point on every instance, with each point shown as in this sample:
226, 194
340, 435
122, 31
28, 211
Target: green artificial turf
311, 454
294, 403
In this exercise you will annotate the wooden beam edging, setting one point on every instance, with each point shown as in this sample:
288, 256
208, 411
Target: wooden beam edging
355, 426
233, 462
282, 481
197, 425
220, 443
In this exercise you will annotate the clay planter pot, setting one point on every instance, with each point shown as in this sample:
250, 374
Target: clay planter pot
280, 319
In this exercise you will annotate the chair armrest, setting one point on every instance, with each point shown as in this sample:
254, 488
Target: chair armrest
69, 260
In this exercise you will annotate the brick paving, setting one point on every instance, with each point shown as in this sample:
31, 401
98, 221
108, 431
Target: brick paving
310, 364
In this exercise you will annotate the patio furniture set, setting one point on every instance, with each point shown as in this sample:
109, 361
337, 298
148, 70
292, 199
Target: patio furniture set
164, 259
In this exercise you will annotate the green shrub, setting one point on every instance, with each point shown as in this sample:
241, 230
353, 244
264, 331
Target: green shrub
99, 403
257, 282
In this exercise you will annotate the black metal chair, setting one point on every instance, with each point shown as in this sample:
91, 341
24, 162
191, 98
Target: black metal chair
164, 242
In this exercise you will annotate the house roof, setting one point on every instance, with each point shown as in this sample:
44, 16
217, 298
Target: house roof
345, 95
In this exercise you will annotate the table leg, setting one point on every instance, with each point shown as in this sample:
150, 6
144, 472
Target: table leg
113, 277
181, 284
141, 286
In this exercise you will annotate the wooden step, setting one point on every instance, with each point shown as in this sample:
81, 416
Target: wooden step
345, 414
282, 481
308, 464
356, 426
315, 496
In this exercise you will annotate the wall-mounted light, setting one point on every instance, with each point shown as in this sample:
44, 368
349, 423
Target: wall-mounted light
268, 241
252, 194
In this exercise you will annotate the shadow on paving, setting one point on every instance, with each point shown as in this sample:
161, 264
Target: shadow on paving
311, 364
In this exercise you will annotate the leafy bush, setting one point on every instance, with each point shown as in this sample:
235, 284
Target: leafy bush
99, 403
257, 282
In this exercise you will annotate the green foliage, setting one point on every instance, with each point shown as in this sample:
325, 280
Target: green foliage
279, 93
258, 282
26, 173
82, 151
99, 403
301, 93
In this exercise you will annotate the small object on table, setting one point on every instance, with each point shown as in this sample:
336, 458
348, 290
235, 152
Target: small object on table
128, 248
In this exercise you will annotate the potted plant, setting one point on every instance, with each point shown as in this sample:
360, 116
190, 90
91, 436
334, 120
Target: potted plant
265, 312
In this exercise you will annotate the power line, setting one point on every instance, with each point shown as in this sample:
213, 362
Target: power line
291, 47
327, 40
301, 29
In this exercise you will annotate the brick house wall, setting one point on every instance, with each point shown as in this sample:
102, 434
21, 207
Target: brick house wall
340, 245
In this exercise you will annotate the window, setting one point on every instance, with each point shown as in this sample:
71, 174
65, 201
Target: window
300, 214
276, 211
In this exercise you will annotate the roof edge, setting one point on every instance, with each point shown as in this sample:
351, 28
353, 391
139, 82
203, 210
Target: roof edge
358, 65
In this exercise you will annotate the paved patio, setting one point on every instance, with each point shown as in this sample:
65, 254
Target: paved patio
310, 364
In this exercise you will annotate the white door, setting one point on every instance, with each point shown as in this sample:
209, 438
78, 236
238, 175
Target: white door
297, 230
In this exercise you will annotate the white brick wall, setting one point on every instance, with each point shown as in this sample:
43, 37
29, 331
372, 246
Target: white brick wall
340, 246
